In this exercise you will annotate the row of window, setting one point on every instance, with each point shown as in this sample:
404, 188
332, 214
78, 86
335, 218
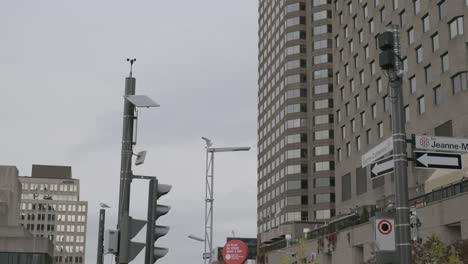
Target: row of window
67, 187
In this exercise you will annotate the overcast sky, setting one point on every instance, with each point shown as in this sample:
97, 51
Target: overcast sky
62, 68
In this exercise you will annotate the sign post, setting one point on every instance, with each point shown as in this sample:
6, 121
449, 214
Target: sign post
438, 160
385, 234
382, 167
376, 152
235, 252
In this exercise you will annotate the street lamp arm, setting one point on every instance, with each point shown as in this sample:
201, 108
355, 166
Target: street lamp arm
229, 149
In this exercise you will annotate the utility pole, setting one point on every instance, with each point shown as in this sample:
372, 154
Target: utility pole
100, 249
389, 43
126, 169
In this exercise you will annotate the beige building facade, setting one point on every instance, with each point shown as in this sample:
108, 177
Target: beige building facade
51, 208
295, 117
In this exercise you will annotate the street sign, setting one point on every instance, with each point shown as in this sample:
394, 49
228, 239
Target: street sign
235, 252
384, 234
441, 143
382, 167
206, 255
376, 152
438, 160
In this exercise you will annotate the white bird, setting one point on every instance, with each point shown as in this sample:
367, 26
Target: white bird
103, 205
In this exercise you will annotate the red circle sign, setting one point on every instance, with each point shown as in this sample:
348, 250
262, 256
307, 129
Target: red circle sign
235, 252
385, 227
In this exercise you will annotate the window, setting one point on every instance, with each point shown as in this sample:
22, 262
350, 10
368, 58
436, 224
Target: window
419, 54
381, 132
363, 119
353, 125
421, 105
426, 24
437, 95
410, 36
321, 15
379, 85
348, 149
456, 27
369, 136
322, 30
442, 8
322, 134
445, 62
347, 109
321, 104
395, 4
402, 18
371, 26
361, 76
412, 84
407, 113
343, 132
338, 115
428, 73
321, 88
361, 36
365, 10
338, 154
322, 119
382, 14
374, 111
366, 51
435, 41
367, 90
459, 82
346, 187
356, 101
372, 67
323, 166
417, 6
358, 143
350, 8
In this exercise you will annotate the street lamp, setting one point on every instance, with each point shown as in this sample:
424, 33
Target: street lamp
209, 193
102, 219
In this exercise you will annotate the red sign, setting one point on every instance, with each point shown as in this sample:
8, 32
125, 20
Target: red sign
384, 227
235, 252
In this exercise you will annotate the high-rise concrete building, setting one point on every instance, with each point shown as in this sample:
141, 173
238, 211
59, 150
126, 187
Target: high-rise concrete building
295, 117
51, 207
434, 57
17, 245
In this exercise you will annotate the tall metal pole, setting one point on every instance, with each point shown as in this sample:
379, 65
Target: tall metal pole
126, 170
151, 221
402, 227
100, 249
209, 203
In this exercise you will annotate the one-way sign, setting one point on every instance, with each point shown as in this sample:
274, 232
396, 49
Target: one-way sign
382, 167
438, 160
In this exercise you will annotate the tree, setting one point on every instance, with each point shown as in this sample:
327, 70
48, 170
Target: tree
435, 251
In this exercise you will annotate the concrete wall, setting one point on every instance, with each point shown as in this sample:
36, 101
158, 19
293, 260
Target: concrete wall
446, 218
10, 196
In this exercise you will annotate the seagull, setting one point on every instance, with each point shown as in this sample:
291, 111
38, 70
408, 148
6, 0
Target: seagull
103, 205
208, 142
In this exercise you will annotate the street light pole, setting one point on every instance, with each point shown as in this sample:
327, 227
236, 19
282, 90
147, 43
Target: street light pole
126, 169
102, 220
209, 194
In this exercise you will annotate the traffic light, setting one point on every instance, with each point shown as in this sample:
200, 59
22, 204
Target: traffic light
153, 231
387, 56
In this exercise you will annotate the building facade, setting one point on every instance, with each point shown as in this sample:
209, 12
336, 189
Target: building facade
434, 58
295, 117
51, 207
17, 245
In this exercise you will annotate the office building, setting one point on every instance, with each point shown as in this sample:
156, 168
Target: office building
51, 208
295, 117
18, 245
434, 58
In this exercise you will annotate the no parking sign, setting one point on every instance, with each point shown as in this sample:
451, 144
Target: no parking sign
385, 234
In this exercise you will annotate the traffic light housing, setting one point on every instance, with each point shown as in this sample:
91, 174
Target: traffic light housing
386, 45
153, 231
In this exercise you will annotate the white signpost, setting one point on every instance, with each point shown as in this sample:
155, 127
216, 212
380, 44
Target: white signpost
376, 152
382, 167
384, 234
441, 143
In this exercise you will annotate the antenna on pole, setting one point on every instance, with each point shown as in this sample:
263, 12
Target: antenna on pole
131, 65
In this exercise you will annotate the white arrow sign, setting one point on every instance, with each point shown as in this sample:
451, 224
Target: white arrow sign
382, 167
426, 160
438, 160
